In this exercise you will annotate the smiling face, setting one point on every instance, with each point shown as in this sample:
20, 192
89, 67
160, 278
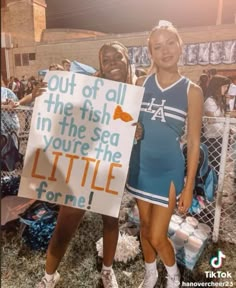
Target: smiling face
114, 64
165, 49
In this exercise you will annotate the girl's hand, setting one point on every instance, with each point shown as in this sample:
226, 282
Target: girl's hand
139, 131
39, 89
16, 104
12, 104
185, 200
8, 104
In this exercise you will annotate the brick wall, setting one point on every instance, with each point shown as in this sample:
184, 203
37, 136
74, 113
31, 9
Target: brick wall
25, 20
86, 50
63, 35
39, 18
18, 20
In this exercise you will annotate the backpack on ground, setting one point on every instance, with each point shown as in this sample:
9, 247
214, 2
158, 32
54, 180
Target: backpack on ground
39, 222
206, 178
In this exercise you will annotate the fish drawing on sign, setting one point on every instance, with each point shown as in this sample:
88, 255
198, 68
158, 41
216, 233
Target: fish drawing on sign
120, 114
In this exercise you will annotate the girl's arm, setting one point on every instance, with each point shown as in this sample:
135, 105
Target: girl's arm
37, 91
195, 113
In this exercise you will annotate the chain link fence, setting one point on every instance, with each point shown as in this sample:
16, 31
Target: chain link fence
219, 134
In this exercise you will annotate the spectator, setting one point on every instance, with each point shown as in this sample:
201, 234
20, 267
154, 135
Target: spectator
29, 87
203, 83
231, 97
54, 67
9, 119
34, 87
12, 84
212, 72
214, 106
66, 64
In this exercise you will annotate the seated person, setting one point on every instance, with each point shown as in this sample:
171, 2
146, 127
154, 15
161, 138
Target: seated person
9, 119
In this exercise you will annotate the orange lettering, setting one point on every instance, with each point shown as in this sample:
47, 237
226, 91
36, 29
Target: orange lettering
95, 176
54, 166
86, 169
72, 157
33, 174
110, 177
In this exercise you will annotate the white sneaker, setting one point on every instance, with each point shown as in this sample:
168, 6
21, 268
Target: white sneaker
109, 279
150, 279
173, 281
49, 284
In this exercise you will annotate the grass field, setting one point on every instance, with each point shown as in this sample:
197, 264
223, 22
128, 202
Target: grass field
23, 268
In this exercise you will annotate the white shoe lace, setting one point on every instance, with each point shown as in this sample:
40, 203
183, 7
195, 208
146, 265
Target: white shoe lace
173, 281
109, 279
150, 279
48, 284
43, 283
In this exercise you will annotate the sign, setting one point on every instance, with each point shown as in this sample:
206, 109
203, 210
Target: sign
80, 142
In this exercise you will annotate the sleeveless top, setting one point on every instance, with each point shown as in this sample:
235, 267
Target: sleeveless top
157, 159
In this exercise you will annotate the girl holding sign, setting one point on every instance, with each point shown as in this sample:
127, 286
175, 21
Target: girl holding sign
156, 177
114, 65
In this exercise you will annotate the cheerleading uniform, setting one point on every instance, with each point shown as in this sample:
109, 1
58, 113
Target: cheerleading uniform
157, 159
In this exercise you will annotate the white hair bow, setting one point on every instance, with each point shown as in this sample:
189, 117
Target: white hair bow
164, 23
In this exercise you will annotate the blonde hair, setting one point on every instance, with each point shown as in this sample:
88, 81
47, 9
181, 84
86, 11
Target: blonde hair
65, 61
55, 66
118, 46
170, 28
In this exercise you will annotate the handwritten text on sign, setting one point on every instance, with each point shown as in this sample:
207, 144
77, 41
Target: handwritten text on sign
80, 142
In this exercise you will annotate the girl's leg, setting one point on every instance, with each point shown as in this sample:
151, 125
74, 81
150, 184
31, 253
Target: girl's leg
145, 211
160, 219
68, 220
110, 238
151, 274
159, 222
154, 227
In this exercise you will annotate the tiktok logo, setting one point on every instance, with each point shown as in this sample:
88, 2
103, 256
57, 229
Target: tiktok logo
217, 261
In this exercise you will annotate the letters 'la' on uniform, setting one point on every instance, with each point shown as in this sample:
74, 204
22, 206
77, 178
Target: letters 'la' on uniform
157, 159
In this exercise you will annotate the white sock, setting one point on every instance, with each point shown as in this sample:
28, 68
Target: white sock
172, 270
151, 266
49, 277
106, 267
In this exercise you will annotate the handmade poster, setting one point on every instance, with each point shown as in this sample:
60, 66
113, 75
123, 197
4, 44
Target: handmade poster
80, 142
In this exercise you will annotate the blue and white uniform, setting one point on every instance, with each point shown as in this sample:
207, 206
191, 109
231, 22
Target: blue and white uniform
157, 159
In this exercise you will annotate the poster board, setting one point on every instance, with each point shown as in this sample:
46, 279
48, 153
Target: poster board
80, 141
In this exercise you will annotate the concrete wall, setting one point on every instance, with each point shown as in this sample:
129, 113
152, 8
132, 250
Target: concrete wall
86, 50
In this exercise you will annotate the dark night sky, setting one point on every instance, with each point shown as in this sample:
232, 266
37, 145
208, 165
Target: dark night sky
125, 16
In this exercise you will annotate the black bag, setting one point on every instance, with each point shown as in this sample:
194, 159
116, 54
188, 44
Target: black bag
11, 158
40, 220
